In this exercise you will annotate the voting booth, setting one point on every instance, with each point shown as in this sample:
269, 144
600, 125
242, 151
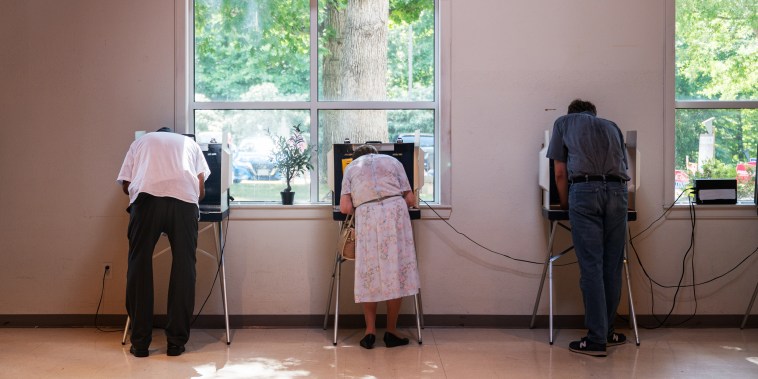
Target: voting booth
557, 218
409, 155
412, 159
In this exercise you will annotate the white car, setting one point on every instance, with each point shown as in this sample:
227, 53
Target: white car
426, 143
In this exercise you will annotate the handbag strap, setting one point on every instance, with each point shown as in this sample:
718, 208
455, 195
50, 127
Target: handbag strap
348, 221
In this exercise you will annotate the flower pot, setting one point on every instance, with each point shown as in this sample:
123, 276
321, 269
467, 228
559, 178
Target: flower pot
287, 197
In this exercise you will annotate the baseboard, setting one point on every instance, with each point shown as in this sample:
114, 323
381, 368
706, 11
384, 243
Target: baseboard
355, 321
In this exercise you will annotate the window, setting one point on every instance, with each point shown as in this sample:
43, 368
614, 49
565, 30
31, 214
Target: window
716, 93
366, 71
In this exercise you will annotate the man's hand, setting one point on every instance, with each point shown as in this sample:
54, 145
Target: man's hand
201, 179
561, 181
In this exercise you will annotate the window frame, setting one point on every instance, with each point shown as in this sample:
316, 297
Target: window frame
671, 105
185, 104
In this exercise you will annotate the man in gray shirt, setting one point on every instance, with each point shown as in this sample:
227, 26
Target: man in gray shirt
590, 173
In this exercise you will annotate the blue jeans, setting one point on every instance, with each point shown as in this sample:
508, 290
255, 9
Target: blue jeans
598, 214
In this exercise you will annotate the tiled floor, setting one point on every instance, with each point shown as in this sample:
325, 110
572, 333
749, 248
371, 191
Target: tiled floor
445, 353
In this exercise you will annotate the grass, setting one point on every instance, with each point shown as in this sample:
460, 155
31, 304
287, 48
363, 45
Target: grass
268, 191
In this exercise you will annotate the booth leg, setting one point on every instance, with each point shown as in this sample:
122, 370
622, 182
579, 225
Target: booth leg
337, 303
550, 295
331, 291
544, 273
416, 305
126, 330
420, 309
632, 314
220, 251
749, 307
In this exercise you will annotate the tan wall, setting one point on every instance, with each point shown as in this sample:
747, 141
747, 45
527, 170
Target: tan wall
79, 77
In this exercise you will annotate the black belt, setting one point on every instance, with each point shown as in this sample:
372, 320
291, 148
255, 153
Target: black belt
598, 178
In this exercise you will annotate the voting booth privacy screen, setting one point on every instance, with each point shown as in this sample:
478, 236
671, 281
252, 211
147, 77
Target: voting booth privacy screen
550, 199
217, 185
342, 154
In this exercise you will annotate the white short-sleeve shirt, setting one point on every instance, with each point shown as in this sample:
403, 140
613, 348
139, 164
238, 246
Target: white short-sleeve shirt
164, 165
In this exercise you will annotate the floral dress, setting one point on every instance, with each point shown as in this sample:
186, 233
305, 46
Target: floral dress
385, 256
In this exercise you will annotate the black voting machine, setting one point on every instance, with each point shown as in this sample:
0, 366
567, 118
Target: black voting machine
215, 204
343, 154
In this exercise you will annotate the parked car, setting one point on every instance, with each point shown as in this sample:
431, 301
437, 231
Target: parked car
681, 179
426, 143
252, 160
745, 171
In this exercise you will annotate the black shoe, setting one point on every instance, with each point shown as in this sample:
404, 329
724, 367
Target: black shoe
368, 341
585, 346
391, 340
174, 350
615, 339
139, 353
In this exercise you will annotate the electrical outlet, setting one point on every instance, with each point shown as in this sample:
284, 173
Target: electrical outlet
108, 270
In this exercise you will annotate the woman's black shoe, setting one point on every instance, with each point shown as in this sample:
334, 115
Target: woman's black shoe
391, 340
368, 341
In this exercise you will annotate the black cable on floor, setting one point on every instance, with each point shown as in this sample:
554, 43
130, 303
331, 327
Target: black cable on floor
679, 285
99, 302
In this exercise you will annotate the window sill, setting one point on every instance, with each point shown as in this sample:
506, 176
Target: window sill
273, 211
714, 212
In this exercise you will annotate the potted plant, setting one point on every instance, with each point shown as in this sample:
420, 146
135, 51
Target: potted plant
292, 157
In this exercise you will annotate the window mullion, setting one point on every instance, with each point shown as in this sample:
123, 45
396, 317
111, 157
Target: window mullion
715, 104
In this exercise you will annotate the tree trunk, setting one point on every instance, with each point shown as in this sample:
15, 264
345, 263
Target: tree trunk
354, 68
363, 68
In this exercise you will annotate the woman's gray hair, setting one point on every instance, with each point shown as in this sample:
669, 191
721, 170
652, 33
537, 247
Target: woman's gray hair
364, 150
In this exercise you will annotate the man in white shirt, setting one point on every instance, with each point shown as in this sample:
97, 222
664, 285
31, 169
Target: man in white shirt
164, 175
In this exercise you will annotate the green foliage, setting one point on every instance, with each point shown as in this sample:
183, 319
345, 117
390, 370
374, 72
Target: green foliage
714, 169
408, 11
240, 44
716, 49
244, 44
291, 155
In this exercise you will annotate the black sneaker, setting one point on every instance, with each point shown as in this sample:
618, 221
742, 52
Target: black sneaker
615, 339
585, 346
174, 350
139, 353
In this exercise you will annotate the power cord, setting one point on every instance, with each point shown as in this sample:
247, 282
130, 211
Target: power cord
99, 302
679, 285
218, 269
487, 248
215, 278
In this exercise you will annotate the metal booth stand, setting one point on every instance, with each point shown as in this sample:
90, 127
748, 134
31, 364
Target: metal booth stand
749, 307
551, 212
555, 217
215, 221
338, 159
214, 209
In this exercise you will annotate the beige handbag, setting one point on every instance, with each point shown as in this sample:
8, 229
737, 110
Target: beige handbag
346, 244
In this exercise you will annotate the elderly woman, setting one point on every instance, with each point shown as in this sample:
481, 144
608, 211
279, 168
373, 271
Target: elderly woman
376, 189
